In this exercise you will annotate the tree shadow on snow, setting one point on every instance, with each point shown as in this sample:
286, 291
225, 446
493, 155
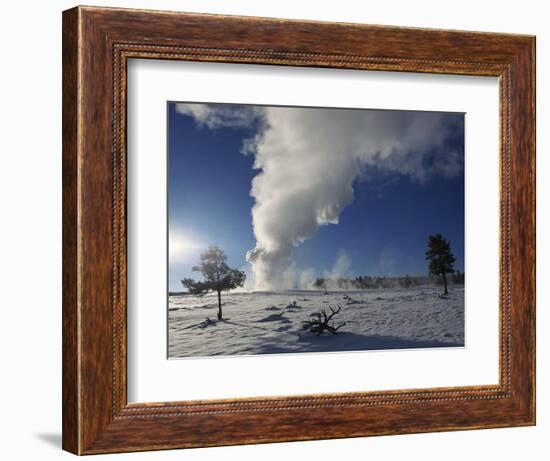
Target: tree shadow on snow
347, 342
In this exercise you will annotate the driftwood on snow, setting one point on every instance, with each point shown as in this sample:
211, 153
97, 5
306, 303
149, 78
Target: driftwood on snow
321, 322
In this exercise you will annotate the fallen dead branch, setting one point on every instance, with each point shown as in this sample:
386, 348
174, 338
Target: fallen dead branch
321, 322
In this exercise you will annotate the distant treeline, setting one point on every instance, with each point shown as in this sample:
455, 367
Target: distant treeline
365, 282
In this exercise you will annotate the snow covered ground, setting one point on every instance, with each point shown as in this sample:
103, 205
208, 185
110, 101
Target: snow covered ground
271, 322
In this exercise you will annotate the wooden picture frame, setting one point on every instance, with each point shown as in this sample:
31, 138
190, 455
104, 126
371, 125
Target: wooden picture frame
97, 43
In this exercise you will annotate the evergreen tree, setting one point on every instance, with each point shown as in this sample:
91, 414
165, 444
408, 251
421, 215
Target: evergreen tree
217, 275
441, 260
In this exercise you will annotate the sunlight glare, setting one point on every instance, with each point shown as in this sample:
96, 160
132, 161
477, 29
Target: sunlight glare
180, 245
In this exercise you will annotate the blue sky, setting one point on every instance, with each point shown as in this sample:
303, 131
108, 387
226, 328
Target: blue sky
396, 202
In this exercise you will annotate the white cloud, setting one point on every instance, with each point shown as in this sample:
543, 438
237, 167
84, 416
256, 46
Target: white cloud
220, 115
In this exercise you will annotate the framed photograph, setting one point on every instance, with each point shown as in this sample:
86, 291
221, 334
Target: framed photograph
282, 230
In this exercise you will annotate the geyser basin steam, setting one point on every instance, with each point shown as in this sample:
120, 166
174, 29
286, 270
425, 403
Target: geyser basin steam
309, 159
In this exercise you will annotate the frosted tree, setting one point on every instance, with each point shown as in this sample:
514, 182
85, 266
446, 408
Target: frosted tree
440, 258
217, 275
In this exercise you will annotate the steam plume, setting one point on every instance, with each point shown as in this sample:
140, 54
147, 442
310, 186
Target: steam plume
309, 159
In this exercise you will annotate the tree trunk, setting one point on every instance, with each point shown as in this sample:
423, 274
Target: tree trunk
220, 303
444, 283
